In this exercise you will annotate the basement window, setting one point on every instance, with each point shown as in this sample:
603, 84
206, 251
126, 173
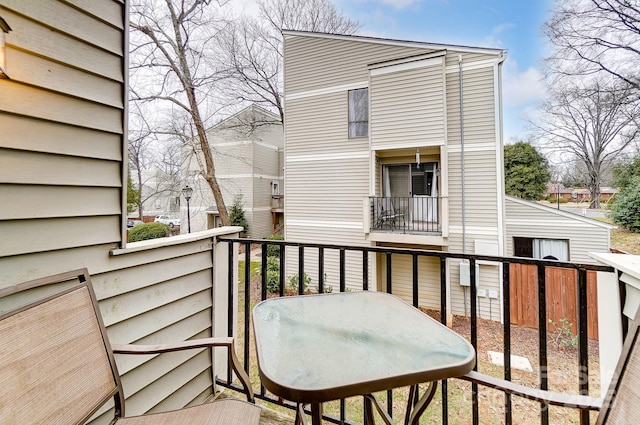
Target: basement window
541, 248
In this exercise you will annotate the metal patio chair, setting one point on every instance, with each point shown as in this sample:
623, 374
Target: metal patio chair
57, 364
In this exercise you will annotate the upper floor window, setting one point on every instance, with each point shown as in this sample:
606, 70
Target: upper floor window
359, 113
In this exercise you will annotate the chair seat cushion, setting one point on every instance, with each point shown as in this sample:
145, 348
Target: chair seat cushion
220, 412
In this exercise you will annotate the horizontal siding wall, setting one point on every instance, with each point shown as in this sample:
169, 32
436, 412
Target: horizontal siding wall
159, 296
322, 62
63, 120
408, 106
546, 223
353, 265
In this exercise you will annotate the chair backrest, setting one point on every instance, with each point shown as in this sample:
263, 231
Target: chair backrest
622, 402
55, 359
386, 207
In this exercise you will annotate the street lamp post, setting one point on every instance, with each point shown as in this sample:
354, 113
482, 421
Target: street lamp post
186, 192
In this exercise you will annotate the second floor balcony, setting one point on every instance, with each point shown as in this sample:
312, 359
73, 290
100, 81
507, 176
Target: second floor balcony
413, 214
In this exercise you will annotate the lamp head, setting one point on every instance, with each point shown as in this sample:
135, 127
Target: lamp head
187, 192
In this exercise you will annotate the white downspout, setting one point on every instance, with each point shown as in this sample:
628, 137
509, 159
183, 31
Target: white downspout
464, 222
464, 225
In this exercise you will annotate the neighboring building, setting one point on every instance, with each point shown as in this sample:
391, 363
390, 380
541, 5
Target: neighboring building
248, 156
379, 152
557, 190
580, 194
161, 194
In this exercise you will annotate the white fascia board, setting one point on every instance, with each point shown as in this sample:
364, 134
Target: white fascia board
287, 34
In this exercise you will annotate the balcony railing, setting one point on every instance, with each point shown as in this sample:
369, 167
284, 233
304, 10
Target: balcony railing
405, 214
313, 259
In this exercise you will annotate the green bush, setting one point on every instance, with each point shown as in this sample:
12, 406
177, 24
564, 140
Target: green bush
274, 250
236, 214
143, 232
273, 274
293, 282
625, 211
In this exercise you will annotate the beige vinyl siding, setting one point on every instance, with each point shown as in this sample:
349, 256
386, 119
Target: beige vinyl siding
402, 279
147, 304
313, 121
480, 158
407, 106
322, 63
540, 222
488, 277
353, 261
25, 133
56, 201
63, 115
320, 192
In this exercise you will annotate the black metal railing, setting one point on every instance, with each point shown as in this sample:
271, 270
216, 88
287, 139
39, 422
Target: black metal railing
358, 258
418, 214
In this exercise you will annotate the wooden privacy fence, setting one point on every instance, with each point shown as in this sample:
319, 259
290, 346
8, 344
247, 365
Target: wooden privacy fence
561, 297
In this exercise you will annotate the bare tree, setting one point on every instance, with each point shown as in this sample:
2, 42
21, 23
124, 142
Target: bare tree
595, 36
593, 123
253, 47
174, 61
141, 138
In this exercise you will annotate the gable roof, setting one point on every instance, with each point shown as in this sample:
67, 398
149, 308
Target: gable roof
251, 109
394, 42
561, 213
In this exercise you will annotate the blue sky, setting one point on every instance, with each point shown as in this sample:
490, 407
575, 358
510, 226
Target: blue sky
514, 25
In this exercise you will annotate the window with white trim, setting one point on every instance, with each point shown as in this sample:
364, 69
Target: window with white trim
358, 113
553, 249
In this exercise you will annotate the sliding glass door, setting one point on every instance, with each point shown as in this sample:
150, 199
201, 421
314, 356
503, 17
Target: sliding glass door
418, 184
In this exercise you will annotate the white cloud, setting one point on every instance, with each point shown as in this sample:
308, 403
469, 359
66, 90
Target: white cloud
522, 87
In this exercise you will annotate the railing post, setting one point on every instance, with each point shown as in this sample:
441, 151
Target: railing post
506, 306
224, 291
583, 341
542, 341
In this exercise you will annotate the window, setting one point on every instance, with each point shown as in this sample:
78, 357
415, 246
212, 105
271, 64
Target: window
541, 248
358, 113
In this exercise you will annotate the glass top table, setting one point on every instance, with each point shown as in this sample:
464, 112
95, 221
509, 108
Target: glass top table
317, 348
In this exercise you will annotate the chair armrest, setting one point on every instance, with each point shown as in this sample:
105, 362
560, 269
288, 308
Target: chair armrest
192, 344
576, 401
